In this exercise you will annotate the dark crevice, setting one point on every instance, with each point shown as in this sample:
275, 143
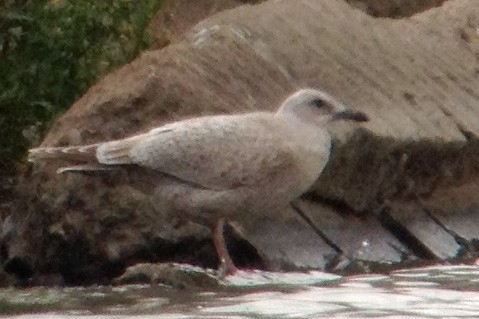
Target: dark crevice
189, 250
395, 9
19, 267
77, 264
201, 252
468, 135
318, 231
461, 241
405, 237
472, 247
406, 255
339, 206
244, 254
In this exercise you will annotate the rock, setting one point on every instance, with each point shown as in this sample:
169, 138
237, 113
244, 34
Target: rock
456, 209
176, 17
360, 239
170, 274
287, 242
422, 233
416, 78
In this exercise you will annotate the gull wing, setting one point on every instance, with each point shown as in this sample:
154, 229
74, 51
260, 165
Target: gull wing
217, 152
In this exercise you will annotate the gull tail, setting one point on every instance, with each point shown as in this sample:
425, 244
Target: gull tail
77, 154
83, 153
94, 157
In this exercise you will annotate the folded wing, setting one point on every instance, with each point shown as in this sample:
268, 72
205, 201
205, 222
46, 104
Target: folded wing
220, 152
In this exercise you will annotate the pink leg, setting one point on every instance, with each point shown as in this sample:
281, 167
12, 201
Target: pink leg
227, 266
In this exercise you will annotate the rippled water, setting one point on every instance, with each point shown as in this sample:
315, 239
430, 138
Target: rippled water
431, 292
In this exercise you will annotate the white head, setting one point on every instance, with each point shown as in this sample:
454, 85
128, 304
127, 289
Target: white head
318, 107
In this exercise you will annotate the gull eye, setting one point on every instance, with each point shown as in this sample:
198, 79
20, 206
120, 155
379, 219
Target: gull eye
319, 103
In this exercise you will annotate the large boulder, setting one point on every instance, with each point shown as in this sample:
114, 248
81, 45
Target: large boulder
384, 197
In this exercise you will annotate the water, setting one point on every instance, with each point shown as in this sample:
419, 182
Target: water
431, 292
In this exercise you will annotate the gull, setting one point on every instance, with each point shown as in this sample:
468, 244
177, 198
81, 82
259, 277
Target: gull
223, 167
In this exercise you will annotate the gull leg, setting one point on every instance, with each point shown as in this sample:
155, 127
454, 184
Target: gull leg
227, 267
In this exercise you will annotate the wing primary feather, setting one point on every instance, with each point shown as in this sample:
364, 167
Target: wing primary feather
84, 152
84, 169
118, 152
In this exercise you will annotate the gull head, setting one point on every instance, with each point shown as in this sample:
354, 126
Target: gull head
311, 105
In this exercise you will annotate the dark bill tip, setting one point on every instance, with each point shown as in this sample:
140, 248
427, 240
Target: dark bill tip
349, 115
